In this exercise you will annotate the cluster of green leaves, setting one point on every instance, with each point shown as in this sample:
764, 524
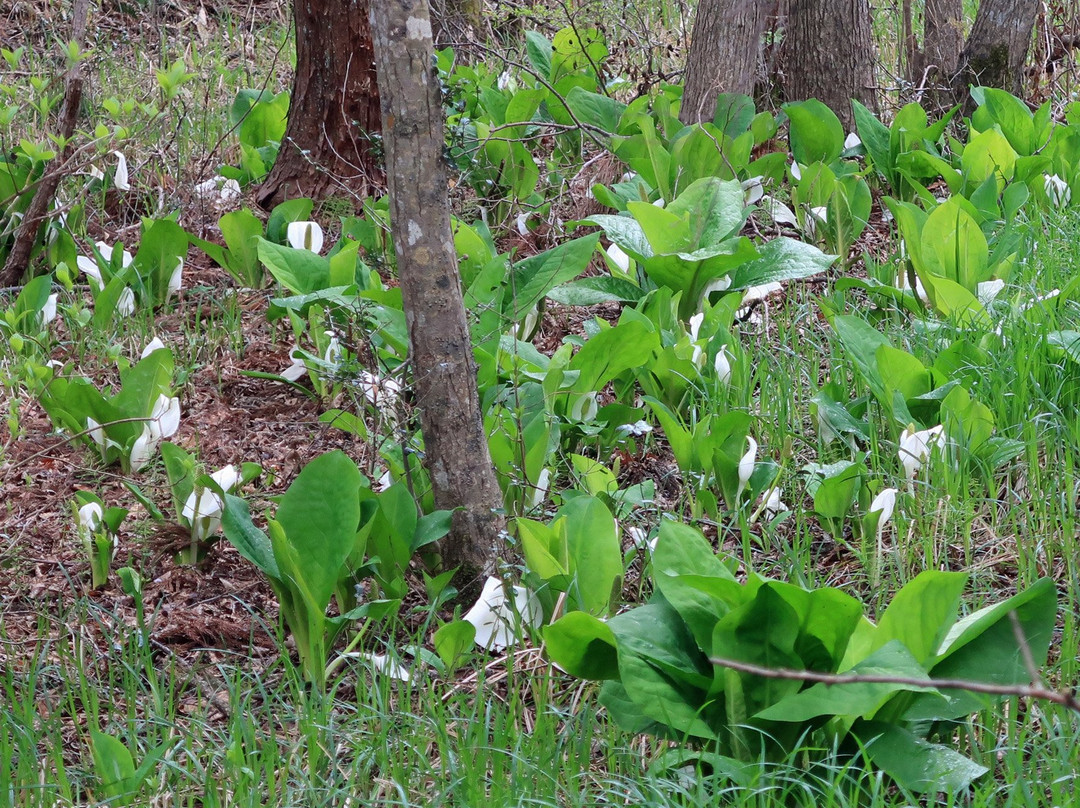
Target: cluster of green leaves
659, 663
330, 532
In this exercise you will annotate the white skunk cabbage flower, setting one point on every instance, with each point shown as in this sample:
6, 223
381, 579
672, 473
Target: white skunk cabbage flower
48, 311
497, 619
506, 82
774, 505
851, 141
796, 170
204, 507
153, 345
543, 480
916, 445
91, 518
618, 257
753, 190
334, 352
163, 423
746, 465
780, 213
382, 664
97, 434
988, 290
884, 504
381, 393
88, 264
1057, 190
637, 429
305, 236
176, 279
120, 176
125, 304
585, 408
297, 370
722, 365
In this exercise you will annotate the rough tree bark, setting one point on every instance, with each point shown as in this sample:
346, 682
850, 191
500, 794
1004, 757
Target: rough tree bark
724, 57
334, 108
829, 55
996, 47
440, 353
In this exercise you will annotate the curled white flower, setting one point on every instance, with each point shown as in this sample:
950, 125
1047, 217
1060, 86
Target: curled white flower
89, 267
163, 423
637, 428
543, 480
204, 507
753, 190
120, 176
916, 446
125, 304
722, 365
506, 81
382, 664
48, 311
852, 140
618, 257
297, 369
91, 518
774, 505
305, 236
381, 393
988, 290
142, 451
884, 504
1057, 190
334, 352
521, 222
746, 465
176, 279
585, 408
796, 170
153, 345
498, 618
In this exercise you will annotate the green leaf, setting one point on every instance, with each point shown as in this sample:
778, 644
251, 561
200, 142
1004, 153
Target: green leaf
538, 49
531, 279
583, 646
319, 514
241, 230
857, 698
594, 109
453, 642
113, 765
922, 612
284, 214
300, 271
914, 763
782, 259
251, 542
430, 528
600, 289
595, 555
816, 134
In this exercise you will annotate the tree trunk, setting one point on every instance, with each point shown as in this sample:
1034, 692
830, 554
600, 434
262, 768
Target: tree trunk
443, 370
328, 146
995, 50
829, 55
725, 55
932, 69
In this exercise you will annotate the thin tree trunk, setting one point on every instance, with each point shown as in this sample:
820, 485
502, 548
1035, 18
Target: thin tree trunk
725, 55
932, 69
996, 48
444, 373
829, 55
329, 145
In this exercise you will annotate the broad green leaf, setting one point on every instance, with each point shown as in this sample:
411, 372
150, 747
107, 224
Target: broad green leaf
594, 109
914, 763
251, 542
583, 646
113, 765
815, 134
300, 271
319, 515
600, 289
857, 698
595, 555
922, 612
782, 259
954, 245
533, 278
538, 49
453, 642
714, 210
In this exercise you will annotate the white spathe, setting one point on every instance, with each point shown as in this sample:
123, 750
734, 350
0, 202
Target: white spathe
380, 392
753, 190
618, 257
988, 290
204, 507
746, 465
722, 365
125, 304
91, 517
163, 423
637, 428
916, 445
297, 369
1057, 190
334, 353
884, 504
851, 141
305, 236
498, 619
120, 177
153, 345
176, 279
48, 311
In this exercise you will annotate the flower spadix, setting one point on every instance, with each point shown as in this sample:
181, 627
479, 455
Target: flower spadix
497, 617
